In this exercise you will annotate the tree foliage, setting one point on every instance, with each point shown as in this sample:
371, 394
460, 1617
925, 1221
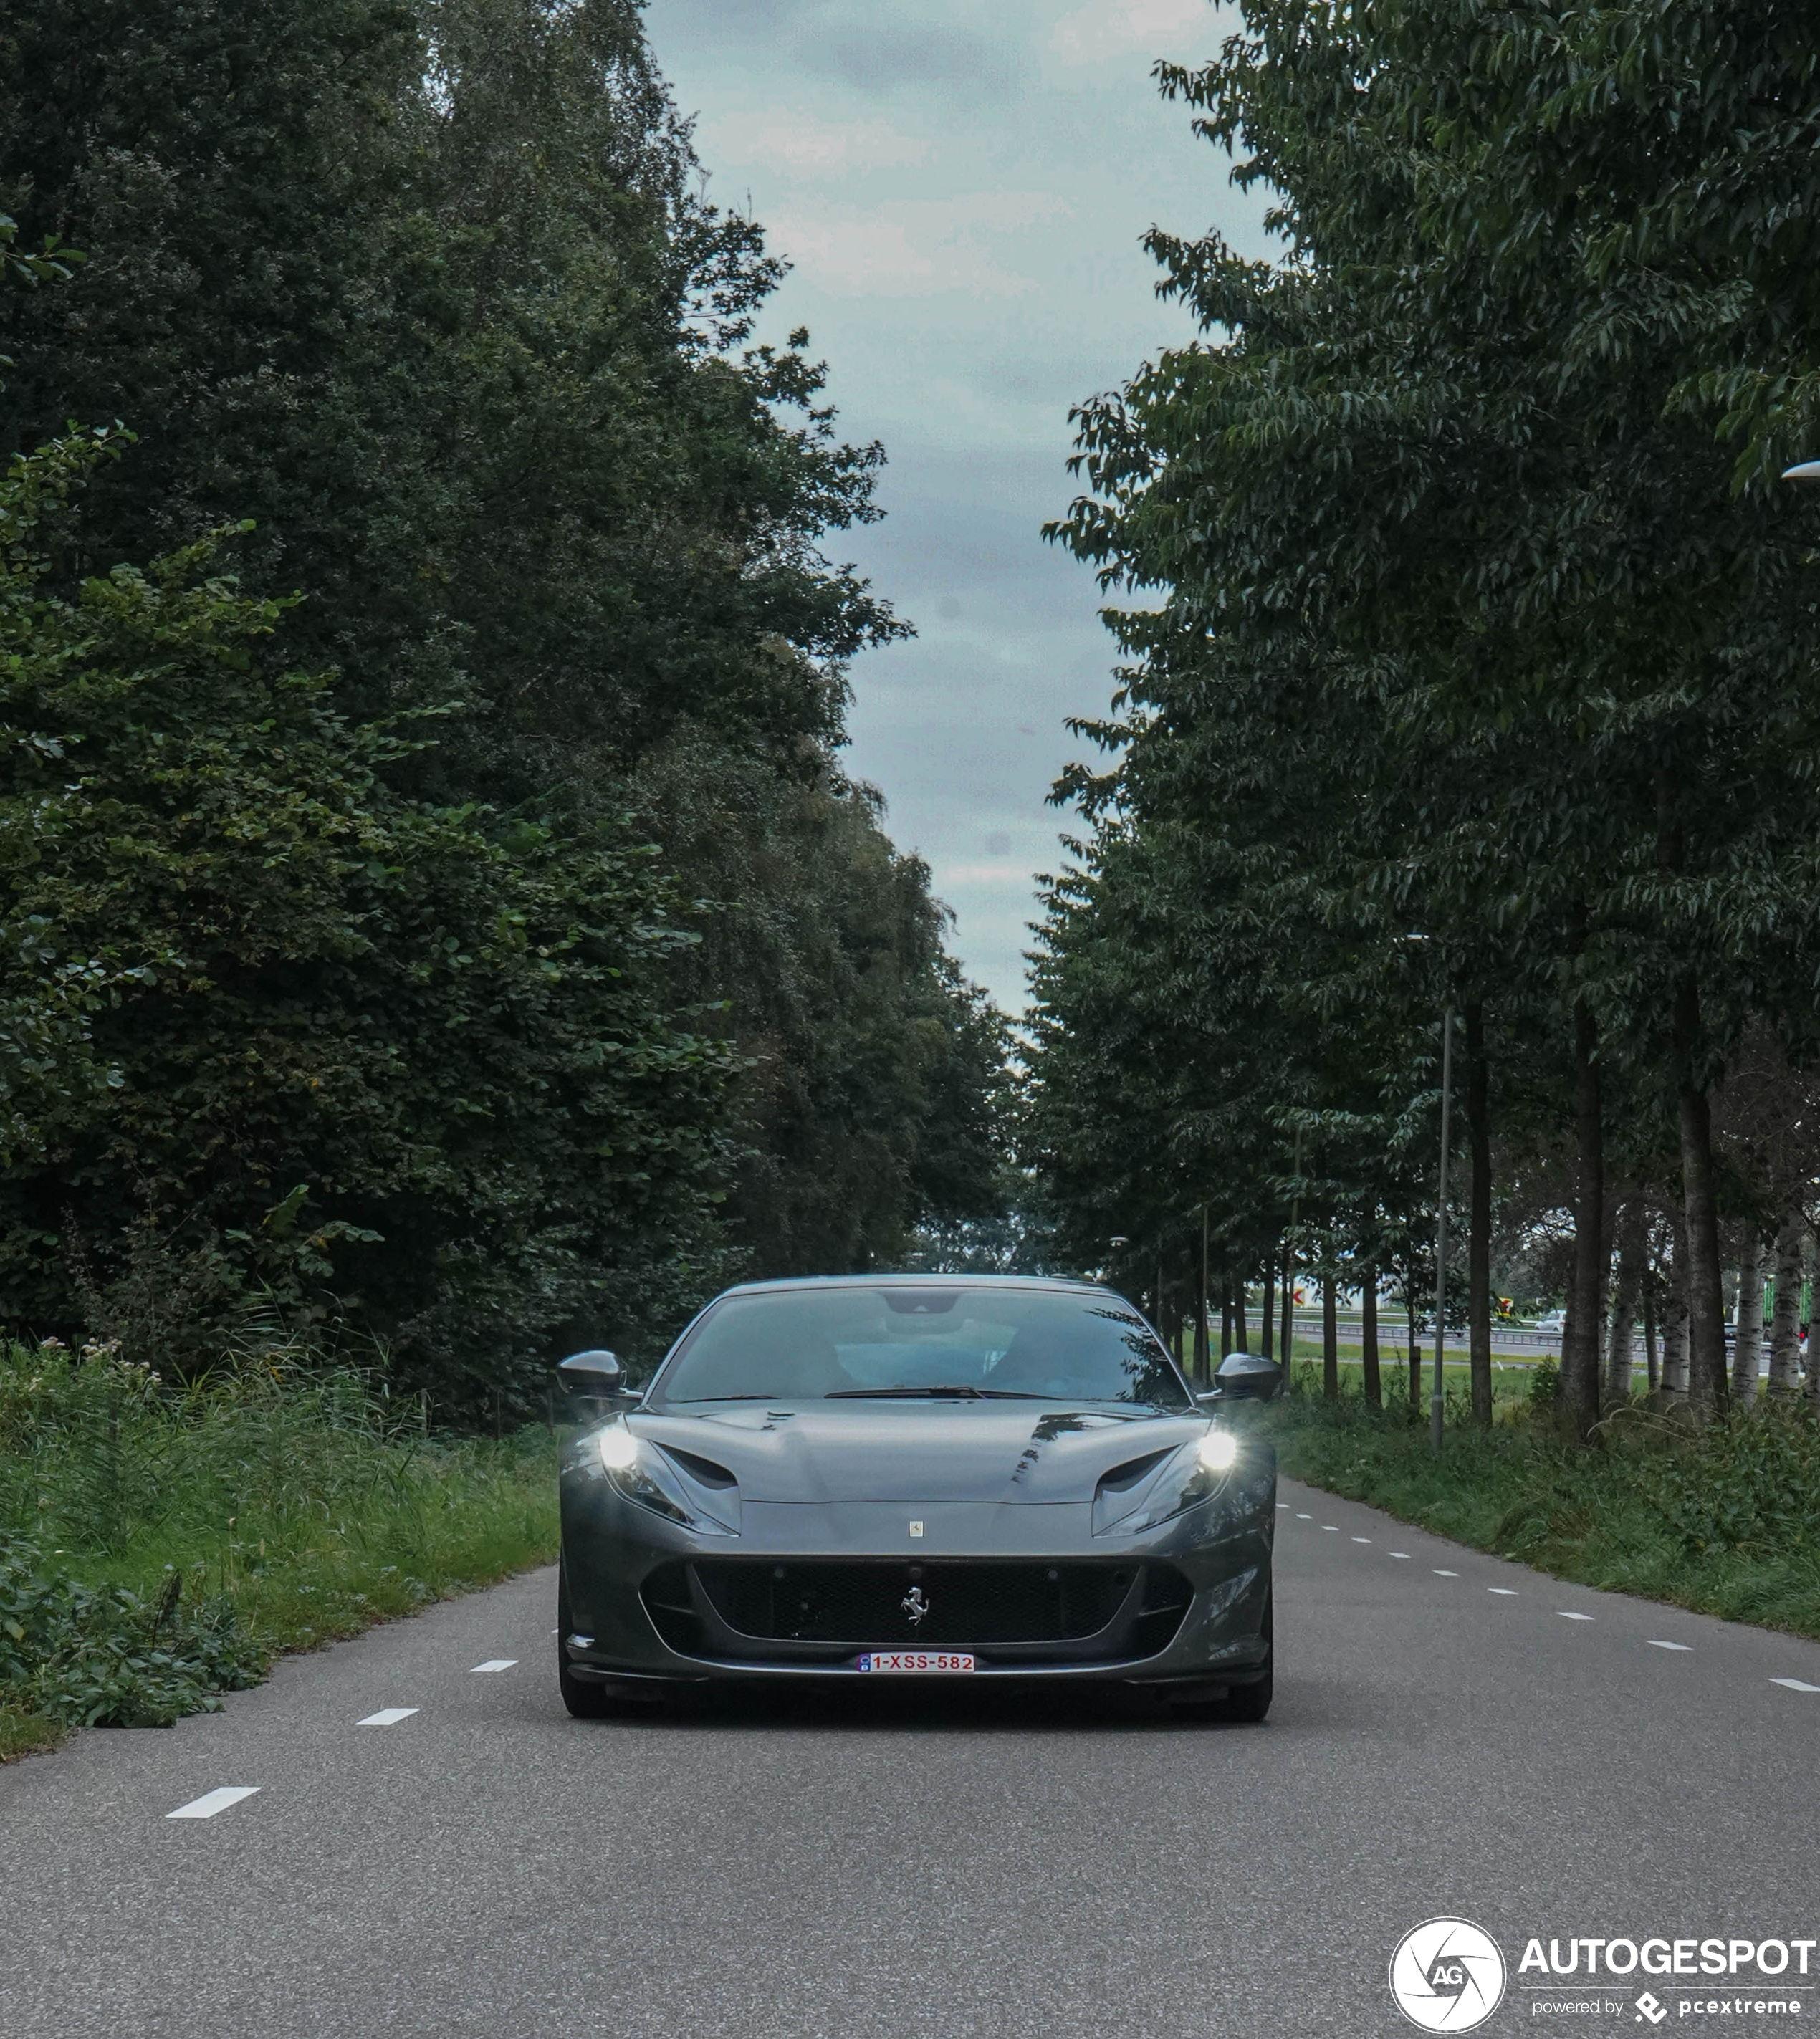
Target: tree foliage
471, 937
1480, 672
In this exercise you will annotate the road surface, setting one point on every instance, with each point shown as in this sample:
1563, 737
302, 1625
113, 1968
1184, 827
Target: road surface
921, 1864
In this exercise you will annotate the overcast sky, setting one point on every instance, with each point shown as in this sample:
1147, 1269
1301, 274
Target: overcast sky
961, 189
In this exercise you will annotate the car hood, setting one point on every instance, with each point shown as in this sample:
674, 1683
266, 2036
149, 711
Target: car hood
912, 1451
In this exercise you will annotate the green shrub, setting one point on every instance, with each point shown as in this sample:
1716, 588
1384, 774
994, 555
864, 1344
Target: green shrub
1750, 1481
161, 1540
85, 1657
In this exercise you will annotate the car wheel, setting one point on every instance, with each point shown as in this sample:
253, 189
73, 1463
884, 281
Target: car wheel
584, 1701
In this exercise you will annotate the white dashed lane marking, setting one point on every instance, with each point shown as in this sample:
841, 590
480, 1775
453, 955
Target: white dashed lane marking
211, 1802
387, 1717
1511, 1592
494, 1664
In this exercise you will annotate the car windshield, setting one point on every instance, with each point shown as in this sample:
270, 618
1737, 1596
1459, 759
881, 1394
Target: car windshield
909, 1341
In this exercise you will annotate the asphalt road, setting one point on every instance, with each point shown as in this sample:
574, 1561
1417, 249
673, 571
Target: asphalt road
926, 1864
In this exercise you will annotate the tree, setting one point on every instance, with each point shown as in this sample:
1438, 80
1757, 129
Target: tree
1463, 628
341, 1050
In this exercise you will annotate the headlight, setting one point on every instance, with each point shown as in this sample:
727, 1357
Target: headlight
1218, 1451
618, 1449
1184, 1480
688, 1493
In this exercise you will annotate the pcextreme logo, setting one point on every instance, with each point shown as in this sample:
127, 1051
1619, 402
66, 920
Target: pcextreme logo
1447, 1975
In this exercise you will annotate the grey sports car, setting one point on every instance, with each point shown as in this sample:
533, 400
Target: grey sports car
900, 1475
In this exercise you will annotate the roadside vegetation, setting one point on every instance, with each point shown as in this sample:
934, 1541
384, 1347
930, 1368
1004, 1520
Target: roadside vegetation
162, 1540
1720, 1517
1466, 708
435, 908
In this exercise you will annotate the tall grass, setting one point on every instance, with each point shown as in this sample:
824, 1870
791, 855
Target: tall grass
1724, 1519
273, 1504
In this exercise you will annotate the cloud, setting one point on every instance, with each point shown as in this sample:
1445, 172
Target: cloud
1138, 27
884, 55
916, 248
790, 142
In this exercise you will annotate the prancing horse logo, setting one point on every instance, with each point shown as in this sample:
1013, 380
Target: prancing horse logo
915, 1604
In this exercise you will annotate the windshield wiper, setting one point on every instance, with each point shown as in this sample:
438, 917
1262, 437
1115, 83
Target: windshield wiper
959, 1393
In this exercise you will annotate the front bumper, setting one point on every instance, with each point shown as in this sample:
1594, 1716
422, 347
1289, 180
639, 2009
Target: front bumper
652, 1602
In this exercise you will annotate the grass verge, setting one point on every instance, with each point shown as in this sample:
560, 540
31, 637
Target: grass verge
160, 1543
1723, 1521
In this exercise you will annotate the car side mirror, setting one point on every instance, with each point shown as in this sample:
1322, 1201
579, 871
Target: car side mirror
1244, 1373
598, 1373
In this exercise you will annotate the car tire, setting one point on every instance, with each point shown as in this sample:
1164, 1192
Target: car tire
584, 1700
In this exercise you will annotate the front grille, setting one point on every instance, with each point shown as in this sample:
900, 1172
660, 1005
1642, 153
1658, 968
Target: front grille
970, 1605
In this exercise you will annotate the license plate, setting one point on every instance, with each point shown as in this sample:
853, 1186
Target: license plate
916, 1660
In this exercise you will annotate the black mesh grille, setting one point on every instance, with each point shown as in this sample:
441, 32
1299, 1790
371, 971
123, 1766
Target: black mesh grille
967, 1604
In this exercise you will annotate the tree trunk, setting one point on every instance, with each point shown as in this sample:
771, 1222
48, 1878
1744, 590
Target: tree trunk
1785, 1313
1579, 1392
1651, 1351
1225, 1321
1288, 1340
1329, 1338
1368, 1339
1813, 1332
1200, 1366
1479, 1219
1674, 1319
1409, 1306
1267, 1325
1624, 1303
1747, 1347
1705, 1299
1239, 1303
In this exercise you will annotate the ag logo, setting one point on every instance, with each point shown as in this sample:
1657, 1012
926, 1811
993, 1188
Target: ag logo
1447, 1975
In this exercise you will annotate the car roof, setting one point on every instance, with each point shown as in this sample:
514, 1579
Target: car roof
1066, 1282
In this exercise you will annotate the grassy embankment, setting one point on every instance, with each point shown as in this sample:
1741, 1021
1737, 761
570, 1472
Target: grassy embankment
1725, 1522
159, 1544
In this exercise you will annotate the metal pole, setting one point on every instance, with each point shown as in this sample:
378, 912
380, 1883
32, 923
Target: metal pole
1437, 1405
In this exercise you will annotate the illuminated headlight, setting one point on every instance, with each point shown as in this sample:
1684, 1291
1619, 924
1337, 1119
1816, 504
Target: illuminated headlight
645, 1474
1187, 1478
1218, 1451
618, 1449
